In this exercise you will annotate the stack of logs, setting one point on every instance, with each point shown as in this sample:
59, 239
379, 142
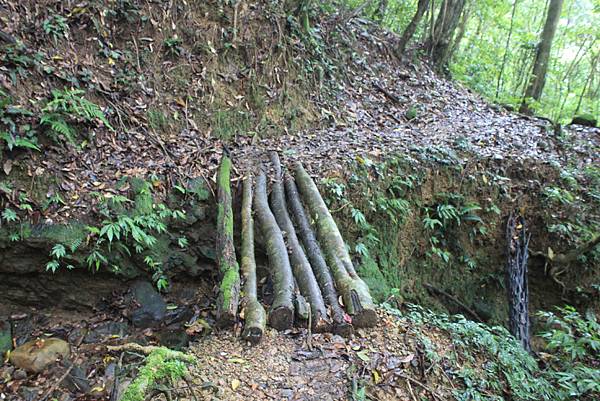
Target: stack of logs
309, 264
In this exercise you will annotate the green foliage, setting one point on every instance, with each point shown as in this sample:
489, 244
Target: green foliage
131, 229
161, 365
573, 343
173, 46
67, 107
56, 26
13, 135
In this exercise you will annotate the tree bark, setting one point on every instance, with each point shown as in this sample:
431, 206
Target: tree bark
254, 314
506, 48
281, 316
307, 283
540, 65
355, 292
341, 321
443, 31
229, 291
412, 27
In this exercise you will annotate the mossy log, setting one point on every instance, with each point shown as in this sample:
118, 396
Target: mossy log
307, 283
281, 315
355, 292
341, 320
161, 364
254, 314
229, 291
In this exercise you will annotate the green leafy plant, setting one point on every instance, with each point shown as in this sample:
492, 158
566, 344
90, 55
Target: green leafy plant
13, 135
173, 46
130, 229
56, 26
68, 106
573, 345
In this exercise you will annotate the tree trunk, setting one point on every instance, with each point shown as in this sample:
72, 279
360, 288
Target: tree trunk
355, 292
229, 291
254, 314
462, 27
341, 321
506, 48
412, 27
307, 283
595, 58
281, 316
443, 31
540, 65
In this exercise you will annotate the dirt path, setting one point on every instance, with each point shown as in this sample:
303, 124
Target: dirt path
377, 362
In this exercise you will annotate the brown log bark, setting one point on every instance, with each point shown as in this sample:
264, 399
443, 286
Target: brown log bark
281, 315
341, 321
537, 80
229, 290
254, 314
412, 27
355, 292
307, 283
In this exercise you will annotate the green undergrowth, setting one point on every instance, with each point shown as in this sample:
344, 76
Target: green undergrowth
488, 363
161, 366
132, 231
427, 217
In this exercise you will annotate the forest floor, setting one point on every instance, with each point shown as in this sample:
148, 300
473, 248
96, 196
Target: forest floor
382, 107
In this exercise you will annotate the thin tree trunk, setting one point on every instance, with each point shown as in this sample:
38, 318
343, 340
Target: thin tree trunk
341, 320
281, 316
540, 65
355, 292
595, 58
462, 27
255, 316
229, 291
412, 27
443, 32
506, 48
309, 288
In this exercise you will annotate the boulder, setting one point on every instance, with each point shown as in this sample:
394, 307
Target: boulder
5, 337
151, 308
34, 356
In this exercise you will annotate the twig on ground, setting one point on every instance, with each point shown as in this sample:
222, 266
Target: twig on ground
58, 382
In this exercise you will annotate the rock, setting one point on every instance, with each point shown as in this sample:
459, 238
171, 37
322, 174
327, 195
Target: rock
587, 120
20, 374
5, 337
6, 373
29, 393
76, 381
105, 329
181, 314
34, 356
152, 308
176, 339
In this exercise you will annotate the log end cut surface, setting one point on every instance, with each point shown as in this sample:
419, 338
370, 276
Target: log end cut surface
281, 318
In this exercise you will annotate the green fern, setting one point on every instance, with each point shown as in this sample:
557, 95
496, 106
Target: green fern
68, 106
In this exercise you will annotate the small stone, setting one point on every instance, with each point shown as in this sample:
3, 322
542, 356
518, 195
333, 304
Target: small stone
20, 374
152, 308
34, 356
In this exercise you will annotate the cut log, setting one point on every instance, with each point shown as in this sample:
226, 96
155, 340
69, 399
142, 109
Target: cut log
254, 314
341, 321
229, 291
281, 315
307, 283
355, 292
